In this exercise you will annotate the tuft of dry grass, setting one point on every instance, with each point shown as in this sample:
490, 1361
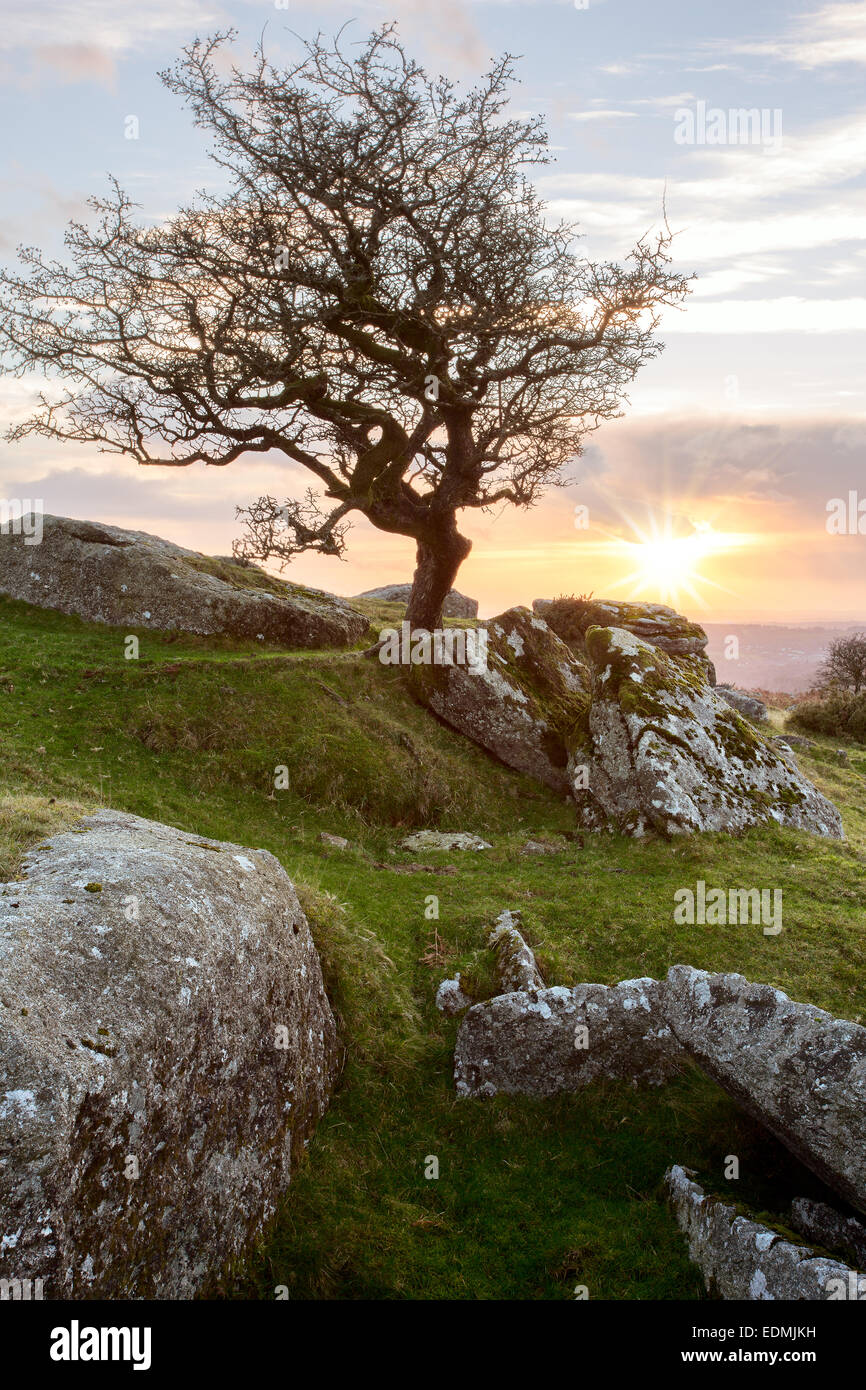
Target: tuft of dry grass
27, 819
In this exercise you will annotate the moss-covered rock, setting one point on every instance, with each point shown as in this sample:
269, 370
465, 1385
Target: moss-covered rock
655, 623
665, 753
744, 1259
543, 1042
516, 966
528, 703
635, 735
795, 1068
749, 706
133, 580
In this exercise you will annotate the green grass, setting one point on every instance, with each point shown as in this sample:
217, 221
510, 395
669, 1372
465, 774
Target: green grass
533, 1198
243, 576
389, 613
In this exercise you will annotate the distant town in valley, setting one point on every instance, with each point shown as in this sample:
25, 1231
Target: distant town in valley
773, 656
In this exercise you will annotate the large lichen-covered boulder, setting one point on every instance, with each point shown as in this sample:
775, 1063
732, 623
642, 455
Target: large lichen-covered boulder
130, 579
542, 1041
743, 1259
795, 1068
166, 1050
665, 753
655, 623
527, 704
456, 605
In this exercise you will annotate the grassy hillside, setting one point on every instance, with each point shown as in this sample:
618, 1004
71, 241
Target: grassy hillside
533, 1198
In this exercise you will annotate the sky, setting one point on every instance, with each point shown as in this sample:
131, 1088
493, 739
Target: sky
738, 446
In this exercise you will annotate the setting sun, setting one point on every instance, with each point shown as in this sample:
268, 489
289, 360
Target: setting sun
669, 562
667, 566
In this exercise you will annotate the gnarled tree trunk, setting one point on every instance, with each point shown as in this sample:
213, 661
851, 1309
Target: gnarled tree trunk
437, 562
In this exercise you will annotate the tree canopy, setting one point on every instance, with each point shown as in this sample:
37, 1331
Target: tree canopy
375, 294
845, 663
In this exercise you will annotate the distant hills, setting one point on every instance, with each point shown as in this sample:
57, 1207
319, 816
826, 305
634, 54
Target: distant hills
773, 656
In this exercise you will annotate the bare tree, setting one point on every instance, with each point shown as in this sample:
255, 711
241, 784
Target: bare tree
845, 663
377, 297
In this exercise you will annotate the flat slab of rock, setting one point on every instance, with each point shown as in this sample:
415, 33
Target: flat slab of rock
743, 1259
750, 706
106, 574
333, 841
793, 741
166, 1050
796, 1069
523, 705
665, 753
443, 839
541, 1042
455, 606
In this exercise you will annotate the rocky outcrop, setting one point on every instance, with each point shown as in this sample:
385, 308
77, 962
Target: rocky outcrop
655, 623
514, 963
794, 741
133, 580
522, 705
635, 735
540, 1042
455, 606
796, 1069
663, 752
751, 706
166, 1050
825, 1226
744, 1259
516, 966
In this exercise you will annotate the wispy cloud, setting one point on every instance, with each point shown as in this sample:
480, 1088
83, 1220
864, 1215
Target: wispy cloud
103, 23
790, 314
830, 36
604, 115
446, 32
34, 43
731, 203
